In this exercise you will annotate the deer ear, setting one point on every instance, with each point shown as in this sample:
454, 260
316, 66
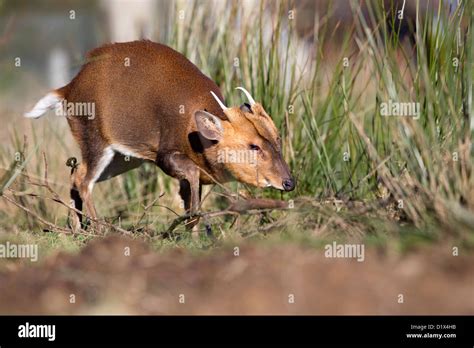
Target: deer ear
208, 125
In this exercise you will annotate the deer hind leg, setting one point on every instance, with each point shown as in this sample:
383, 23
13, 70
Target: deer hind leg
83, 180
75, 217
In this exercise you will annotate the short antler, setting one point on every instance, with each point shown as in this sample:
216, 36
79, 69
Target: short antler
221, 104
247, 94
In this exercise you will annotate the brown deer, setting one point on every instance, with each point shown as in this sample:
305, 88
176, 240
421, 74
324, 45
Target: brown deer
150, 103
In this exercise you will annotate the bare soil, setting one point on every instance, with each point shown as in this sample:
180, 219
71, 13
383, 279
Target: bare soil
261, 280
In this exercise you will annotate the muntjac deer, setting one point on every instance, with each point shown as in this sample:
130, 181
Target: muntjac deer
150, 103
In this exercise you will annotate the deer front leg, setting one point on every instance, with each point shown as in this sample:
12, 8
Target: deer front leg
191, 204
181, 167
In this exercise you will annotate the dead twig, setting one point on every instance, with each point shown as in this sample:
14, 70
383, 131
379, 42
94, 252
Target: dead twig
250, 206
36, 216
147, 207
57, 198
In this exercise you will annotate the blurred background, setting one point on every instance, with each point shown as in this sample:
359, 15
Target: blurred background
52, 37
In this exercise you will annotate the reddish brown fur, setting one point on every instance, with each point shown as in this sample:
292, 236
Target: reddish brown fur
125, 94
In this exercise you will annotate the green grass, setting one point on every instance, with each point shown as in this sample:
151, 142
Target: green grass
335, 139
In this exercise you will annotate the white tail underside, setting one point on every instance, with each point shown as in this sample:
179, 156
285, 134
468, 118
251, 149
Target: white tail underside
49, 101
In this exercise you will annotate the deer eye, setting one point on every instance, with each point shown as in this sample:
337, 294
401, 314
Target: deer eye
254, 147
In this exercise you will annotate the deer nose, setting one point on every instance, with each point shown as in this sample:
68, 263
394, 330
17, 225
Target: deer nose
288, 184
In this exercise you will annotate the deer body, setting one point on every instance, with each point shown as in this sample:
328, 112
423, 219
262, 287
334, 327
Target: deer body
152, 104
